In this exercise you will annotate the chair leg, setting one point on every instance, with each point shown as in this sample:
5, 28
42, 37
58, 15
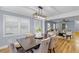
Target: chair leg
49, 51
54, 50
32, 51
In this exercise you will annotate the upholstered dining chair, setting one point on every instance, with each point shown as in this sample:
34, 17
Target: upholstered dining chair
44, 45
12, 48
52, 44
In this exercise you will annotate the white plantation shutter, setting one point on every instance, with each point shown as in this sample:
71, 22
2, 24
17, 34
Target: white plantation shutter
25, 25
11, 25
16, 25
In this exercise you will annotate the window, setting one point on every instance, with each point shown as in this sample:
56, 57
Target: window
25, 25
54, 26
11, 25
38, 25
63, 26
15, 25
48, 26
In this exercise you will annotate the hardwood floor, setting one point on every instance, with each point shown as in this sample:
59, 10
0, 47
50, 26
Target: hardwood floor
76, 42
67, 46
63, 45
4, 50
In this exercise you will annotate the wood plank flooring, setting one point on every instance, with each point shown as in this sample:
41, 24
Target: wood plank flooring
63, 45
5, 50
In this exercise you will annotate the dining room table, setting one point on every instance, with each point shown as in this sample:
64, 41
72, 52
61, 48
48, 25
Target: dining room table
29, 44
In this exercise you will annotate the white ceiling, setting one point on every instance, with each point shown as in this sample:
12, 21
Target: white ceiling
49, 11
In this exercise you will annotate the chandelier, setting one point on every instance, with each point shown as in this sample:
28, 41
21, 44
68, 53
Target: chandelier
39, 15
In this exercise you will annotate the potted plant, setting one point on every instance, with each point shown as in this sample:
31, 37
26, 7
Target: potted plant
38, 32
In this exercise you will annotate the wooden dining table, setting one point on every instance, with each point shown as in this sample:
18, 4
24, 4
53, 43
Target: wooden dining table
28, 44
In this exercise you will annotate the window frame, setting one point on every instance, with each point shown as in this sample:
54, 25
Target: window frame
19, 25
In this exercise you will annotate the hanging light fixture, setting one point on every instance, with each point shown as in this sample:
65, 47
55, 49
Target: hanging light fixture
39, 15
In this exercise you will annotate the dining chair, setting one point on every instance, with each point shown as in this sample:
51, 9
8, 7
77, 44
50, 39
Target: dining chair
44, 45
12, 48
52, 44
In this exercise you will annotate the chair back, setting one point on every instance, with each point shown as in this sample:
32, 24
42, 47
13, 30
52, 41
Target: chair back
12, 48
52, 43
44, 46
